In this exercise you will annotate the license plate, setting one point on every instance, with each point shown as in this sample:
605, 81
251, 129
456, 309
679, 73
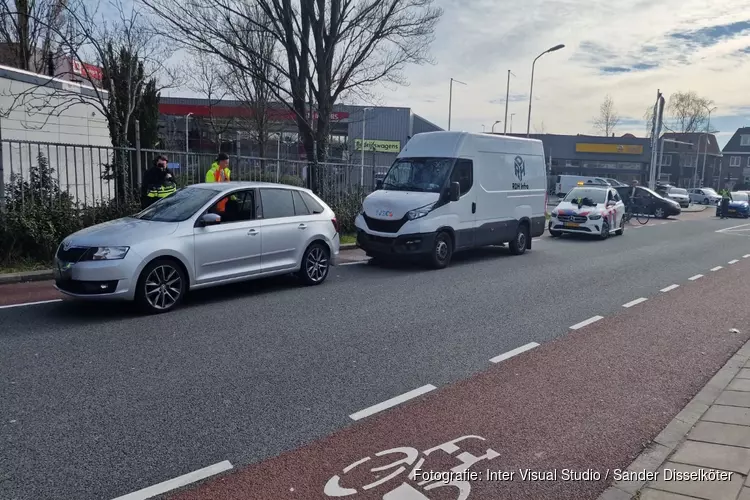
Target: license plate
731, 211
572, 224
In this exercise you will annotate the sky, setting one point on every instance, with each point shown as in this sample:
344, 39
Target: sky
625, 49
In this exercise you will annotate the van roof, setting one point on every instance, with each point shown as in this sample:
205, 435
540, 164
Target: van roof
452, 144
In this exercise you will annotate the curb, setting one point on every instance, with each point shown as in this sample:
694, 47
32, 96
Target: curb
47, 274
701, 208
672, 436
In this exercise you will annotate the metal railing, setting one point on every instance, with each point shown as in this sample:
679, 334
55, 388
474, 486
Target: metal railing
83, 173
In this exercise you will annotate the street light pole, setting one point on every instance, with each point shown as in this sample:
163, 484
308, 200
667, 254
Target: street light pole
531, 90
708, 130
362, 166
507, 96
511, 122
187, 141
450, 101
493, 126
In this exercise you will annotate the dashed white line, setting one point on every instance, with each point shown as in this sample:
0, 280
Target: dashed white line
697, 276
635, 302
733, 261
716, 268
392, 402
664, 223
746, 256
357, 263
514, 352
31, 303
669, 288
178, 482
586, 322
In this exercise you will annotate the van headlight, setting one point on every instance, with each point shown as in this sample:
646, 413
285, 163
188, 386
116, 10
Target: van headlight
109, 253
420, 212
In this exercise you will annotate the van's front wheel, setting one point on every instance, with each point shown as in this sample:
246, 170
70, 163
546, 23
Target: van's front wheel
520, 242
442, 251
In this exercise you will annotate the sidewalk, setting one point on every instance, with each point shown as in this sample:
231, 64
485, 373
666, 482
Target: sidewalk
708, 442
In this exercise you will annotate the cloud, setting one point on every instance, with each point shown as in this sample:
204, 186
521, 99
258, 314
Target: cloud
511, 98
711, 35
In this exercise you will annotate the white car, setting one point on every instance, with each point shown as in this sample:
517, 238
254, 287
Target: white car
704, 196
589, 210
679, 195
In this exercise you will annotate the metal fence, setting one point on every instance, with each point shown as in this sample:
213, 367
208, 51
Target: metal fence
78, 171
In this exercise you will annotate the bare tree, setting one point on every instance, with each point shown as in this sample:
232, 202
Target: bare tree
608, 117
685, 112
540, 129
330, 48
208, 78
30, 33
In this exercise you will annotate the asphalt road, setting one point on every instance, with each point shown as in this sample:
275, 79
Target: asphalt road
99, 402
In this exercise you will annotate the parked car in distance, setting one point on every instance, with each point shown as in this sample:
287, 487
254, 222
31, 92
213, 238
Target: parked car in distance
739, 205
564, 183
657, 205
453, 191
593, 210
704, 196
203, 235
679, 195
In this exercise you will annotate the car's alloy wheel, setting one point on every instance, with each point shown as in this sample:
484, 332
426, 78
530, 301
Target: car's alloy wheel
605, 230
659, 213
316, 264
163, 287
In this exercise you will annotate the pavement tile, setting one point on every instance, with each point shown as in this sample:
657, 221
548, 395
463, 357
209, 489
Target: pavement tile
744, 373
739, 384
745, 494
674, 433
728, 415
727, 434
718, 456
615, 494
649, 494
693, 412
734, 398
648, 460
708, 490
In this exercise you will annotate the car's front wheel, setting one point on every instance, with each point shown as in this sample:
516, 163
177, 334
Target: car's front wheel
315, 264
161, 286
659, 213
442, 251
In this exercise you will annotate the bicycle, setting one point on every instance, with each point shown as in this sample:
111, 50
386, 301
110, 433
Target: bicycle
640, 210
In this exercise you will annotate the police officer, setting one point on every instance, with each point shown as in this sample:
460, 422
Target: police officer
158, 182
726, 197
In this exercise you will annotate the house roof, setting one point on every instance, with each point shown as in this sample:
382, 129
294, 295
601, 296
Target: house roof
733, 145
693, 138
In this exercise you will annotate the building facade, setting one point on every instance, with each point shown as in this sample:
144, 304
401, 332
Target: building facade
694, 160
735, 164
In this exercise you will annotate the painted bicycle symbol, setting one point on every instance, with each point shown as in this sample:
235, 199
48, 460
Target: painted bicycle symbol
410, 456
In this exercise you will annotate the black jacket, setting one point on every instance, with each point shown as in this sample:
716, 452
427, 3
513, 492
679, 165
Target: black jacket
156, 177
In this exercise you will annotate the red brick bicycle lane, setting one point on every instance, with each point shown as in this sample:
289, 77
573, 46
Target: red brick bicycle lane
590, 399
32, 291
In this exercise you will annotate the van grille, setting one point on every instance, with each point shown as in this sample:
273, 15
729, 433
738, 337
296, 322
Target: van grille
384, 226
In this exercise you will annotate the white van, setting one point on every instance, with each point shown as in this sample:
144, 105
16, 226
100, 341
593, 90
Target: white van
567, 182
452, 191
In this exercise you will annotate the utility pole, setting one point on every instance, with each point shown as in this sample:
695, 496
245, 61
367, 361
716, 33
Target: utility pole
507, 96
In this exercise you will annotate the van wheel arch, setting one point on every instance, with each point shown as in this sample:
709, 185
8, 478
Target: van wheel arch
451, 233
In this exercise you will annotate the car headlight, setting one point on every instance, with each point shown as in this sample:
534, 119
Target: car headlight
420, 212
553, 214
595, 217
109, 253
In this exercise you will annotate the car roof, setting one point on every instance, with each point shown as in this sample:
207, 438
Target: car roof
223, 186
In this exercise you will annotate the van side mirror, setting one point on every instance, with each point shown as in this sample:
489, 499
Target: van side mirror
455, 192
209, 220
378, 184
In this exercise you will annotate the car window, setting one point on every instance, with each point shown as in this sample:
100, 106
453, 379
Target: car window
300, 207
463, 173
236, 207
616, 196
178, 207
311, 203
277, 203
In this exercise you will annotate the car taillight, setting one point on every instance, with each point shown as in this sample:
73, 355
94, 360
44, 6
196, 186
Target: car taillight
335, 224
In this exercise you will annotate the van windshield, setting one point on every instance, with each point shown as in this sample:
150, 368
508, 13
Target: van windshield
426, 175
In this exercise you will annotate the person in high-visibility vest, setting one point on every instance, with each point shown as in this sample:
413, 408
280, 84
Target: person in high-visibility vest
158, 183
726, 197
219, 172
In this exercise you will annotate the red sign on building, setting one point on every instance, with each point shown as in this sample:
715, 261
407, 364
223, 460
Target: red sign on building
87, 71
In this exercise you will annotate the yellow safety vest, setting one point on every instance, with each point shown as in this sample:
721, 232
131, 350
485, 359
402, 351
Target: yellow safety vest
217, 174
162, 192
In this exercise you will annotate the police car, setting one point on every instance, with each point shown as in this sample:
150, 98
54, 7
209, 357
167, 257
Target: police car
587, 209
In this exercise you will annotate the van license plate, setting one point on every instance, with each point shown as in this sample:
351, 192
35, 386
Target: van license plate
572, 224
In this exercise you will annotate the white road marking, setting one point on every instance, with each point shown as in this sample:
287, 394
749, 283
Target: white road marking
586, 322
178, 482
746, 256
664, 223
31, 303
392, 402
727, 229
357, 263
697, 276
635, 302
517, 350
669, 288
733, 261
717, 268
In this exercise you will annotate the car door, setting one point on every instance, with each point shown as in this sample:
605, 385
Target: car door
619, 208
284, 232
231, 248
466, 206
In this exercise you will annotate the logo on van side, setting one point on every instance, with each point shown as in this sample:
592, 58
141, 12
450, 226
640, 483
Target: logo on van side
384, 213
519, 167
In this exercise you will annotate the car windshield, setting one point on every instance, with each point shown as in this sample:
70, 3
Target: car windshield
178, 207
678, 191
418, 174
586, 196
739, 197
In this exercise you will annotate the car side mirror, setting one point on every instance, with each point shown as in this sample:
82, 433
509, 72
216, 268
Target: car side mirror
455, 191
378, 184
209, 220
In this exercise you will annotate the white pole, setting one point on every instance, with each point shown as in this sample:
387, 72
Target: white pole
362, 166
507, 95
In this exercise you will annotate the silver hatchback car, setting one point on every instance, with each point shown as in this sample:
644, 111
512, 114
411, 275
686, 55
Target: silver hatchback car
201, 236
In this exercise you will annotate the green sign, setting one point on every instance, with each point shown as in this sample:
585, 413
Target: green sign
378, 146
